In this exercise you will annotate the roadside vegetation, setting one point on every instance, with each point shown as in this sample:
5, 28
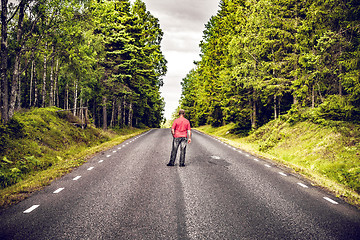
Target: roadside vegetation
281, 78
41, 145
327, 153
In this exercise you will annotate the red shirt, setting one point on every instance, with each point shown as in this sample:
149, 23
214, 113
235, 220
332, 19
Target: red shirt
181, 126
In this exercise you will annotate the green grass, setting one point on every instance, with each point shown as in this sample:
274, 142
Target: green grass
41, 145
327, 154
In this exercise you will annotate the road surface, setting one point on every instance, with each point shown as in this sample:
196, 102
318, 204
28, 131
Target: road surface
128, 192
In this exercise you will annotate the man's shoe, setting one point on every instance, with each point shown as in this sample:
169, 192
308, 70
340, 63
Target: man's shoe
182, 165
170, 165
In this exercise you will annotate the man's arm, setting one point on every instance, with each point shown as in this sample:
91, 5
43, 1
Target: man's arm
189, 136
173, 131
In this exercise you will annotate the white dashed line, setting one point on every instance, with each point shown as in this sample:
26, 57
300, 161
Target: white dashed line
266, 165
303, 185
123, 145
247, 155
283, 174
119, 148
77, 178
240, 151
90, 168
114, 151
101, 161
31, 209
108, 155
215, 157
330, 200
58, 190
256, 159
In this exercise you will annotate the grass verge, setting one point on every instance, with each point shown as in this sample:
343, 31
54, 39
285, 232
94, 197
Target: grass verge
328, 155
41, 145
35, 182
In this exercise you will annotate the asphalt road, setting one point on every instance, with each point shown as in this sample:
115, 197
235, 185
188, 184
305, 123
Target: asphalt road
128, 192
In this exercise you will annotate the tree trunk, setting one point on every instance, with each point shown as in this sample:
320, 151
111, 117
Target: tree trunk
94, 113
275, 107
104, 113
130, 115
118, 118
253, 113
4, 60
340, 71
279, 106
18, 52
36, 95
313, 96
31, 82
81, 113
44, 78
18, 99
56, 93
66, 102
75, 96
14, 86
51, 96
113, 110
124, 112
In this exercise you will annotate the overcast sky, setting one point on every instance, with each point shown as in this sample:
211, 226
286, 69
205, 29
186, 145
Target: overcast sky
182, 22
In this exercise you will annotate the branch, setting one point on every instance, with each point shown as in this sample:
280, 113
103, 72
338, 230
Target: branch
17, 9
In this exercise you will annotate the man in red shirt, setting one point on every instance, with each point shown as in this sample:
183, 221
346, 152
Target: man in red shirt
181, 132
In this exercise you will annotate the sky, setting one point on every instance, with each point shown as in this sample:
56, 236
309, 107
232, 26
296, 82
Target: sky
183, 23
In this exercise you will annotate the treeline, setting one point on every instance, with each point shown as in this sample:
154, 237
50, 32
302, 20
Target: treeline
265, 58
100, 54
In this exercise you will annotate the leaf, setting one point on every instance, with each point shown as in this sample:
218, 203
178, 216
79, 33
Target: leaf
6, 161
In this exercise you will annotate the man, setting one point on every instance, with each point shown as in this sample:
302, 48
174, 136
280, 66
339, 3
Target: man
181, 132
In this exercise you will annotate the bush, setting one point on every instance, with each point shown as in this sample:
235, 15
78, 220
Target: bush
334, 108
337, 108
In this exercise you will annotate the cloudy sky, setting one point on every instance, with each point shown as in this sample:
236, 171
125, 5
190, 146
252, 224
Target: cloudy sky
182, 22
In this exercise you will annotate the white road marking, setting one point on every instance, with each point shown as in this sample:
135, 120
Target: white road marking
119, 148
283, 174
330, 200
31, 209
240, 151
90, 168
108, 155
266, 165
114, 151
215, 157
303, 185
77, 178
123, 145
247, 155
256, 159
127, 143
101, 161
58, 190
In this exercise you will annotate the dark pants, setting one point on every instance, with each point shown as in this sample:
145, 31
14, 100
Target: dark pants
182, 142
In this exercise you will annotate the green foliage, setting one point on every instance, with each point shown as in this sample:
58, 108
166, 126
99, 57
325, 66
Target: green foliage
337, 108
82, 52
38, 139
263, 59
330, 149
327, 153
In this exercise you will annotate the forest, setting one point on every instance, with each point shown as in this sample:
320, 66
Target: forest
268, 59
102, 55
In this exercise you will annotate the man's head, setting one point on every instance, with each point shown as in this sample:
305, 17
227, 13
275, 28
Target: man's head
182, 112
